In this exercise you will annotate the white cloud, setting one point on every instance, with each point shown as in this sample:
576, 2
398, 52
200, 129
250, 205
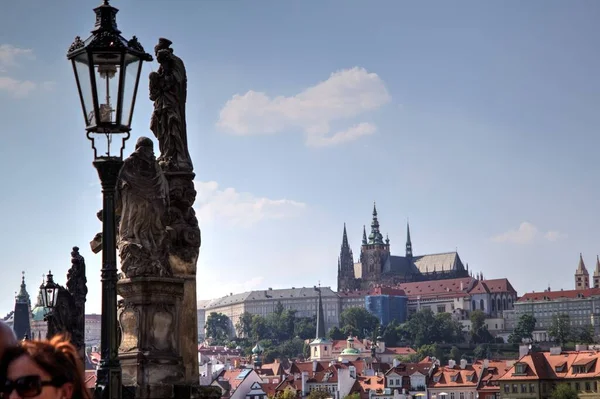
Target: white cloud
554, 235
346, 94
353, 133
240, 209
48, 85
9, 55
526, 233
18, 88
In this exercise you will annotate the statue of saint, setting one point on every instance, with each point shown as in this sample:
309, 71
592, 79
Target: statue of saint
168, 90
141, 203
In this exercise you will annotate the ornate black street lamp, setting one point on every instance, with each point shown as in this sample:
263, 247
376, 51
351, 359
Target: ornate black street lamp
49, 299
107, 70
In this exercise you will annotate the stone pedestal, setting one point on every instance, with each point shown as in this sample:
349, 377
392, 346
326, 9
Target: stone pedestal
183, 257
150, 349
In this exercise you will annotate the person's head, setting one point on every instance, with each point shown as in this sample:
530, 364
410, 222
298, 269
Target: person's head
7, 337
43, 369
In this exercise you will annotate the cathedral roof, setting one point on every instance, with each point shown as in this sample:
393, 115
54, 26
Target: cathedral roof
443, 262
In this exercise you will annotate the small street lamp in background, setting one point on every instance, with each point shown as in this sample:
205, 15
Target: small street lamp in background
107, 71
49, 299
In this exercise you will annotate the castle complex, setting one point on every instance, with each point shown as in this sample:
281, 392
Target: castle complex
377, 266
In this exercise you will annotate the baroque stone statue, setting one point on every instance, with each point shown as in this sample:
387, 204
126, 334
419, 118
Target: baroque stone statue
168, 90
141, 203
68, 315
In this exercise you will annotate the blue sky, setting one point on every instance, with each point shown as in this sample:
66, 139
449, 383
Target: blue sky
478, 121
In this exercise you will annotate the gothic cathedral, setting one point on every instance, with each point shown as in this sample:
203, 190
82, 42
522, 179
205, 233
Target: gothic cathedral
377, 266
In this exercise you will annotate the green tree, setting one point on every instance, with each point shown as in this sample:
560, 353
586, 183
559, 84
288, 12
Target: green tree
523, 329
318, 394
305, 327
358, 320
354, 395
560, 328
424, 328
584, 335
217, 327
288, 393
455, 353
335, 333
244, 325
447, 329
564, 391
482, 351
479, 330
258, 329
392, 333
433, 350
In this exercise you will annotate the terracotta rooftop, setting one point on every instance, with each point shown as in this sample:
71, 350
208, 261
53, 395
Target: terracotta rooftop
545, 365
553, 295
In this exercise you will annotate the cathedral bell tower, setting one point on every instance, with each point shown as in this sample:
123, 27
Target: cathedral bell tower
582, 277
374, 253
346, 278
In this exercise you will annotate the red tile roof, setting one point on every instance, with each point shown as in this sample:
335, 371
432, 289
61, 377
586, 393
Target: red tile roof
553, 295
544, 365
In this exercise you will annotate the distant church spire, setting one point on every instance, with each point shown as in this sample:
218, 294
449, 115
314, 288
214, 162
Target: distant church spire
375, 237
320, 317
409, 252
345, 238
597, 273
22, 313
364, 240
582, 277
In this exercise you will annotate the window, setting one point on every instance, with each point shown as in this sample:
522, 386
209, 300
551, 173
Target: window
398, 382
588, 386
441, 308
520, 368
531, 388
506, 388
461, 395
577, 386
391, 382
544, 387
451, 395
515, 388
481, 304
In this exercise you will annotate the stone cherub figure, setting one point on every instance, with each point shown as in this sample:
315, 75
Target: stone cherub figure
168, 90
141, 203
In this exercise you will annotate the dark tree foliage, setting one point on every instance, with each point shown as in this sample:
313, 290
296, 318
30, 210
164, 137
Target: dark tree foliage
523, 329
358, 322
217, 327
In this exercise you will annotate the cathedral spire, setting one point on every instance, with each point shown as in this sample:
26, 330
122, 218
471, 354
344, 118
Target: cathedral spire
582, 277
375, 237
345, 239
597, 271
409, 252
364, 240
320, 317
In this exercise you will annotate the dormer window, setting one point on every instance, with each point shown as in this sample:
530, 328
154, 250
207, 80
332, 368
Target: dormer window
520, 368
560, 368
454, 377
470, 377
436, 378
579, 369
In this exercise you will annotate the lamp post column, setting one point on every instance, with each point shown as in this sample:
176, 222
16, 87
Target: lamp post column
109, 378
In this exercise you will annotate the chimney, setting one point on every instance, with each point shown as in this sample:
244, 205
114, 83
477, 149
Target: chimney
556, 350
381, 346
315, 363
304, 387
581, 347
352, 372
451, 363
396, 362
463, 363
523, 350
486, 363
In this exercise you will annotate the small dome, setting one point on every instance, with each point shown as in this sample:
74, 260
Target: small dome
38, 313
350, 339
350, 351
257, 349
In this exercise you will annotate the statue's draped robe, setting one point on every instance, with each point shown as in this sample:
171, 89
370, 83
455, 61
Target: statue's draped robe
168, 90
142, 194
